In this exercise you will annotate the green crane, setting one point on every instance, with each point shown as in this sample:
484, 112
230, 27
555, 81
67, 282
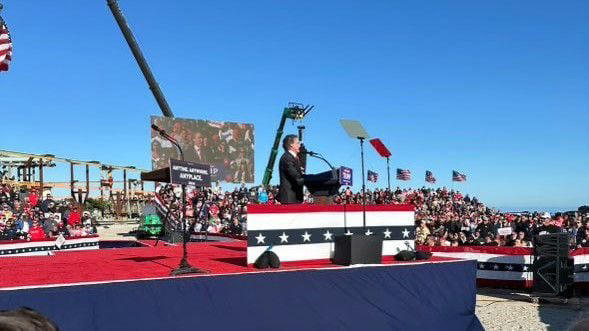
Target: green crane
294, 111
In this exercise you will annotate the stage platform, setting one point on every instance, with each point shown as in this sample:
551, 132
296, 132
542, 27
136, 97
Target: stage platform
130, 288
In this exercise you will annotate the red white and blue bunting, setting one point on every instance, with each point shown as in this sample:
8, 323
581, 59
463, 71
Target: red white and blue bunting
307, 232
508, 266
46, 247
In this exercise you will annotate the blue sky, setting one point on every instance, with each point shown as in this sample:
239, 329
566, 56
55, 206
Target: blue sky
495, 89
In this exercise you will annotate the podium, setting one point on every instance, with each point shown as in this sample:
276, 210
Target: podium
323, 186
160, 175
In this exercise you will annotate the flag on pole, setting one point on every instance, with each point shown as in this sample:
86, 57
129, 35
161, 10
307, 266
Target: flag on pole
403, 174
372, 176
458, 177
429, 177
5, 47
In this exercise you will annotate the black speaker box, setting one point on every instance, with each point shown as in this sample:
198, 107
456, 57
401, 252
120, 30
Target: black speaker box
553, 276
553, 268
357, 249
554, 244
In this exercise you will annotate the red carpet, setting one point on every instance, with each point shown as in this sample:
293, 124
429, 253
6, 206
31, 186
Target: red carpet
137, 263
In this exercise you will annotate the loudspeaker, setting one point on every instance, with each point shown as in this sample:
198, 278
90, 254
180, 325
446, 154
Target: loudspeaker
273, 260
267, 259
553, 268
405, 256
420, 255
262, 262
357, 249
554, 244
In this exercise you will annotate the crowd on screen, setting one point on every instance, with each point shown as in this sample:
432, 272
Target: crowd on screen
229, 147
25, 215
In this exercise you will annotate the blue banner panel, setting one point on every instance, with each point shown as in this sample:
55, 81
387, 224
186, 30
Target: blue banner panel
429, 296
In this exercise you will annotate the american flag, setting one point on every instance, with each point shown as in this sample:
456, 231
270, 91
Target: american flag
429, 177
403, 174
5, 47
458, 177
372, 176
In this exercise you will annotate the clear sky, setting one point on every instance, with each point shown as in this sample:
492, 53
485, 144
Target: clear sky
495, 89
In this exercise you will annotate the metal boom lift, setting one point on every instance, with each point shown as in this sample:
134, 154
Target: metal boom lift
153, 85
294, 111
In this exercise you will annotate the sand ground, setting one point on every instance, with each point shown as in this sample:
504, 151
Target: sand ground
506, 310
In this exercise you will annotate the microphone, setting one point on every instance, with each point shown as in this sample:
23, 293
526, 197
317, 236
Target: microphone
311, 153
163, 133
157, 128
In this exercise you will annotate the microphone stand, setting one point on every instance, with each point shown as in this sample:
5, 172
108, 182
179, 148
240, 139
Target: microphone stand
363, 185
333, 171
184, 267
320, 157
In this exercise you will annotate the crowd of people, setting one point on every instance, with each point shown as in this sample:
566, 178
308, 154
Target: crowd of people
442, 217
26, 215
448, 218
214, 210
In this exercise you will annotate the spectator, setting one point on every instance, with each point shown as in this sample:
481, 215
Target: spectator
23, 224
33, 197
48, 205
60, 229
36, 232
76, 230
75, 217
235, 227
582, 239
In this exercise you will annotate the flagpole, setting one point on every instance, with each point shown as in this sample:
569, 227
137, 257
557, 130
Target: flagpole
1, 19
389, 173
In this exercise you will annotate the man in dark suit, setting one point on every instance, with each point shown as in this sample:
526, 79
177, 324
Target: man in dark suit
291, 175
196, 151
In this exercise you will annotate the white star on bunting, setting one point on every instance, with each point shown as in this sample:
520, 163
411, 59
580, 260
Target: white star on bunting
387, 233
368, 232
283, 238
306, 236
405, 233
525, 268
510, 267
585, 267
482, 266
496, 267
349, 233
328, 235
260, 238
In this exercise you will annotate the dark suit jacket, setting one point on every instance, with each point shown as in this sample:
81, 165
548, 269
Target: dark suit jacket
192, 155
291, 180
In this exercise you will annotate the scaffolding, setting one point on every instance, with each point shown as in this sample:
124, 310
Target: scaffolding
28, 170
